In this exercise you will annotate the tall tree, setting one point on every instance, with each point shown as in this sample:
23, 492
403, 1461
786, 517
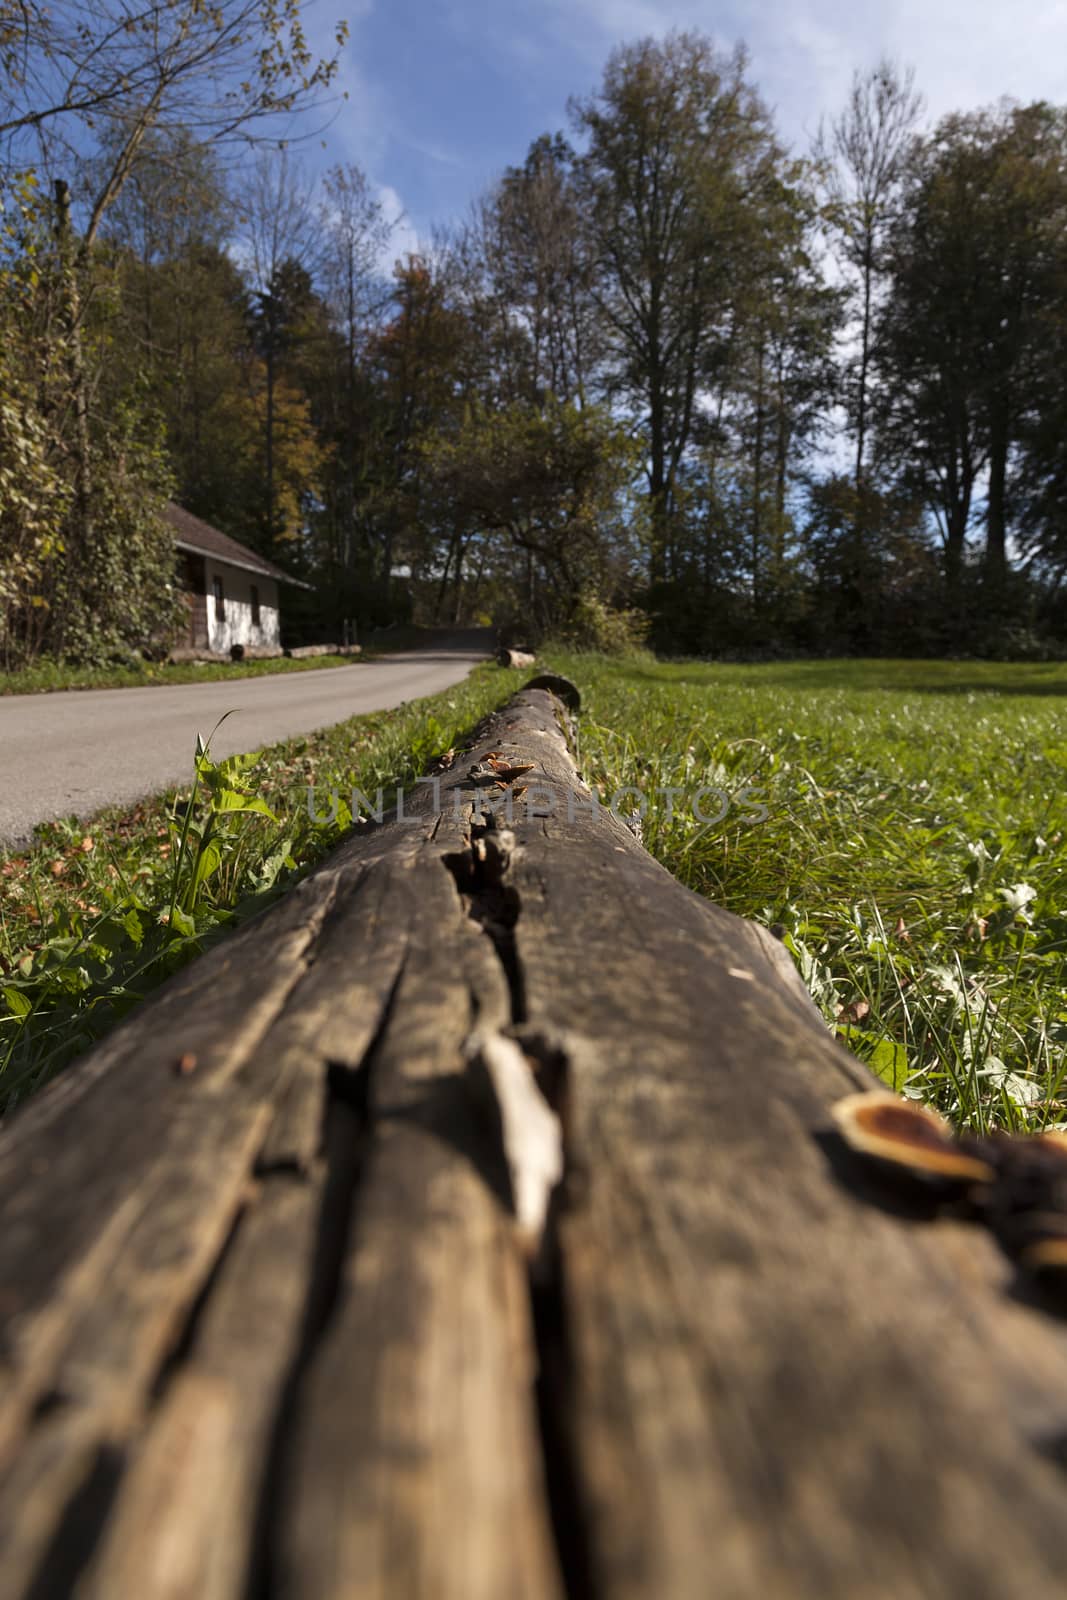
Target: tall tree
421, 359
1017, 158
783, 380
181, 308
677, 144
283, 241
929, 423
974, 269
73, 595
354, 237
539, 260
862, 154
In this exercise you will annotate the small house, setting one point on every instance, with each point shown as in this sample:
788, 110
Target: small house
231, 590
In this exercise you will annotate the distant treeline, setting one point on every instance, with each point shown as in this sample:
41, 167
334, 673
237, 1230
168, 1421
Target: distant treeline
665, 366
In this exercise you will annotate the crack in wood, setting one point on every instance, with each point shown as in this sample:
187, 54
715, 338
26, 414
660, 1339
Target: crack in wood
79, 1530
494, 904
554, 1396
346, 1136
347, 1130
480, 873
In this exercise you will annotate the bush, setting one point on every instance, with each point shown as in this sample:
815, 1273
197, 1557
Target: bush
87, 565
595, 625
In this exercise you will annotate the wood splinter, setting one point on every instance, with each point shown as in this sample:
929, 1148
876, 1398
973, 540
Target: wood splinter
530, 1132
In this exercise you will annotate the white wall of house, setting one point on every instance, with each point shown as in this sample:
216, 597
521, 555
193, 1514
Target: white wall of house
235, 625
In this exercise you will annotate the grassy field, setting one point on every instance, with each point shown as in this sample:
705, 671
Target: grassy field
901, 824
96, 915
912, 854
46, 677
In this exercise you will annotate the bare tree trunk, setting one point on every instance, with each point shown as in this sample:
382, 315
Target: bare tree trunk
658, 497
270, 429
781, 469
865, 363
457, 586
996, 517
442, 588
81, 526
757, 482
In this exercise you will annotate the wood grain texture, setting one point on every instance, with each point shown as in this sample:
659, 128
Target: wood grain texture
273, 1328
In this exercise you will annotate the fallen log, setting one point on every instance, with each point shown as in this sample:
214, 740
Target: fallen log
251, 652
517, 657
182, 654
304, 652
306, 1290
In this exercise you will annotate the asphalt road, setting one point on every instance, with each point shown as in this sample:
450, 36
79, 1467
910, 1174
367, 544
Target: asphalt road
75, 752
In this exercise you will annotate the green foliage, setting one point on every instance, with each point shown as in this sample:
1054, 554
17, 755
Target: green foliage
95, 916
679, 157
86, 563
120, 597
912, 855
551, 479
610, 630
624, 375
33, 498
46, 675
976, 262
34, 495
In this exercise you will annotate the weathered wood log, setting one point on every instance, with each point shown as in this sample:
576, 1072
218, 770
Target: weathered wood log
251, 652
517, 657
304, 651
184, 653
294, 1322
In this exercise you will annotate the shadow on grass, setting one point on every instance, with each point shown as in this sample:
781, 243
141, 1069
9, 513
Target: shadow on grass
1037, 679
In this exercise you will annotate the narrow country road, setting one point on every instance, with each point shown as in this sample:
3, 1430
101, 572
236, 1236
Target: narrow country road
74, 752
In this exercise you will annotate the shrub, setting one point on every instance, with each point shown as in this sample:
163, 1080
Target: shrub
595, 625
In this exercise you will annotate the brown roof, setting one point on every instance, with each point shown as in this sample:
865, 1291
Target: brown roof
192, 534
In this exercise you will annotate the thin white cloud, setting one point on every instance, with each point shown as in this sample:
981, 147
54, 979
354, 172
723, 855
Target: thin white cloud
404, 239
433, 151
966, 52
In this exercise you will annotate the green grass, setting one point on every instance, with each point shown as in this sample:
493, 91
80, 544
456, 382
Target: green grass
913, 854
96, 915
46, 677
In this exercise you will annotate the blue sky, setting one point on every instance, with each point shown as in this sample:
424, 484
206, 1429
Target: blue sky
443, 94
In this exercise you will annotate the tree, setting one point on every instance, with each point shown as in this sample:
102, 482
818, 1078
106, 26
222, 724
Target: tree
76, 71
354, 235
783, 379
862, 154
874, 570
180, 319
283, 241
538, 259
1041, 481
1021, 160
973, 275
421, 358
85, 599
929, 358
553, 481
678, 147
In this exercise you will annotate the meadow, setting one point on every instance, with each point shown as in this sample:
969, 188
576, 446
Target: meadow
912, 857
899, 824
